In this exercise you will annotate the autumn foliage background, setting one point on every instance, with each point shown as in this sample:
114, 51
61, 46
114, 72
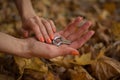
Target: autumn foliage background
100, 56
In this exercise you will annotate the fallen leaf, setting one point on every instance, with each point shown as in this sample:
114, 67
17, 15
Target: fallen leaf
31, 64
116, 30
85, 59
79, 73
105, 68
6, 77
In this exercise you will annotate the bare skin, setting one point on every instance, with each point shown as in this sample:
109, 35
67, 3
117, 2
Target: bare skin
78, 38
33, 48
42, 28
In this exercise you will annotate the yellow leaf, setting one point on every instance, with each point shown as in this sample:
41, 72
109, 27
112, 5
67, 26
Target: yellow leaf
84, 59
33, 64
110, 6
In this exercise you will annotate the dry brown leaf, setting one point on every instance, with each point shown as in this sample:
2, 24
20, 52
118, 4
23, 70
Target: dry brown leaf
51, 76
36, 75
116, 30
30, 74
105, 17
69, 60
101, 32
113, 51
79, 73
105, 68
6, 77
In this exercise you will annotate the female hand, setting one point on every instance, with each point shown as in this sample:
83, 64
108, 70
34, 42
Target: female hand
76, 33
77, 37
42, 28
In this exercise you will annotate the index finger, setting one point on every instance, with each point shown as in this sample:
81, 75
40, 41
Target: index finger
72, 26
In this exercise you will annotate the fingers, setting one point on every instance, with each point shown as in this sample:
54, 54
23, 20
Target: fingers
62, 50
48, 51
66, 50
72, 26
77, 34
48, 27
44, 33
43, 29
36, 30
78, 43
52, 25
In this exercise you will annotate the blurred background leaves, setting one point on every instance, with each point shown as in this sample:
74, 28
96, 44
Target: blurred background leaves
100, 59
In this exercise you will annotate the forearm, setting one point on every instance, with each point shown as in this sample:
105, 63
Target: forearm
25, 8
11, 45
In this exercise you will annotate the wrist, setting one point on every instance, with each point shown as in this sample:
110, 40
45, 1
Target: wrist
24, 50
27, 14
25, 8
15, 46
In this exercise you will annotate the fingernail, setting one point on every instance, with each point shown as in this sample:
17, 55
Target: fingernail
74, 53
41, 39
48, 40
51, 36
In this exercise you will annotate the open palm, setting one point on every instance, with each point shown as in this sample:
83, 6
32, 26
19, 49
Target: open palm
77, 35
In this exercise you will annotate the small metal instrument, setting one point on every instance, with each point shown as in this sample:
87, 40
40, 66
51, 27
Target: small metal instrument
58, 40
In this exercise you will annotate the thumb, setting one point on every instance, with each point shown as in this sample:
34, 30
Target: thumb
69, 51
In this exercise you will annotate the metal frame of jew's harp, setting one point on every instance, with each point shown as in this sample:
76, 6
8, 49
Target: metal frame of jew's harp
58, 40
